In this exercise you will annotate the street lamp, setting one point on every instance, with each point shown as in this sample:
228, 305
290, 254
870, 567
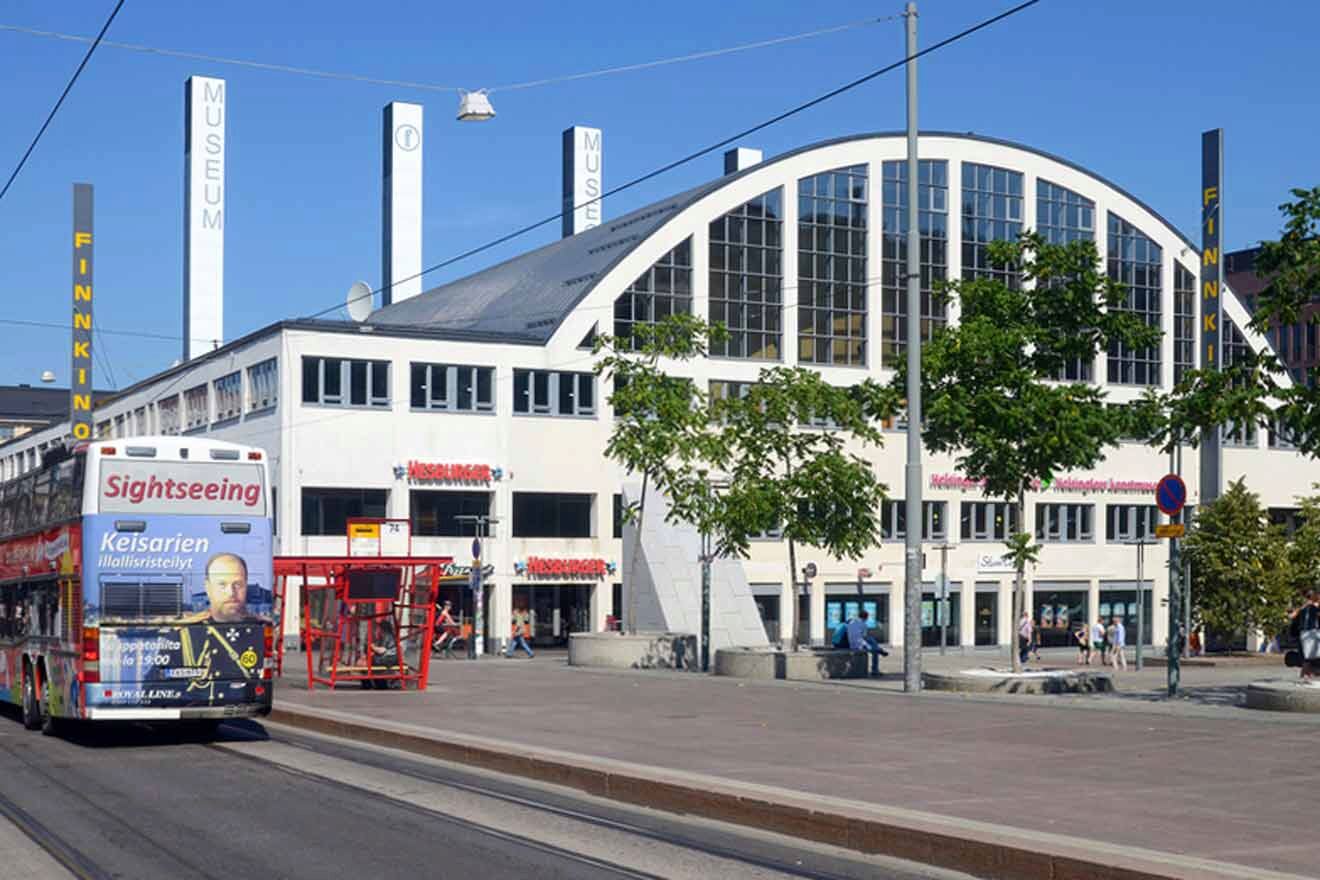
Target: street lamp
481, 528
475, 106
707, 556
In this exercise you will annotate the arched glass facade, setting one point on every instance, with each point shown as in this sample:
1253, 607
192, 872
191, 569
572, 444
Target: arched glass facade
991, 211
1135, 261
747, 279
832, 267
933, 220
664, 289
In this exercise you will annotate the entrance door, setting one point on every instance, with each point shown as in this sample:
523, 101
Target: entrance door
555, 611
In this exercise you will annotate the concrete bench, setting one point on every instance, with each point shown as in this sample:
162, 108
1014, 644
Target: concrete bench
811, 664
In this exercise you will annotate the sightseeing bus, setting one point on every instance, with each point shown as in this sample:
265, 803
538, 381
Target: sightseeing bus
135, 583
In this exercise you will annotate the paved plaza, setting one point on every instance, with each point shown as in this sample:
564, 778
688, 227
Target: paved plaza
1200, 777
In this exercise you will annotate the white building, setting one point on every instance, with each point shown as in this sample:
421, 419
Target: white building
800, 256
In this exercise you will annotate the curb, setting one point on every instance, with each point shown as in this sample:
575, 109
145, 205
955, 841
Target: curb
976, 848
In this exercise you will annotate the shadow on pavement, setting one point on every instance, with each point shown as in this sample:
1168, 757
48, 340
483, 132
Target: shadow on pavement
140, 734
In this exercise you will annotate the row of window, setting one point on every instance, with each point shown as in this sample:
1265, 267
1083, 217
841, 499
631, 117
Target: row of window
248, 391
996, 521
437, 513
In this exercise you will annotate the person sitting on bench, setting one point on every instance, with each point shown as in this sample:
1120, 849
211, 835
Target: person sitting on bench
860, 640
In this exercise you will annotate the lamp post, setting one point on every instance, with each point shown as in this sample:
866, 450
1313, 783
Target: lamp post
942, 593
480, 529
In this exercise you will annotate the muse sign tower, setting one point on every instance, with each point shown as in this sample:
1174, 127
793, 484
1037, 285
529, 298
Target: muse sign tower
204, 215
401, 244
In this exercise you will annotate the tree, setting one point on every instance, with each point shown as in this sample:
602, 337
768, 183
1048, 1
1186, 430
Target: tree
745, 464
1249, 391
1243, 570
990, 390
660, 422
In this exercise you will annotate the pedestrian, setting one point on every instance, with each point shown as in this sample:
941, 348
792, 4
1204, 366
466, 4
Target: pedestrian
1305, 625
446, 626
1035, 642
519, 637
1100, 642
1118, 644
860, 640
1083, 638
1025, 630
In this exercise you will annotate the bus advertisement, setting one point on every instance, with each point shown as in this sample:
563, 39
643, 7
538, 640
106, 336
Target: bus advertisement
152, 602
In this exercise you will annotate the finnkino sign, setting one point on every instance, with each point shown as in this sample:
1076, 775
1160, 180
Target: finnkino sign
1084, 485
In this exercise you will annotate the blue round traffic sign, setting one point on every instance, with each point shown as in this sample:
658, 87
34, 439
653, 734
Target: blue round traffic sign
1170, 494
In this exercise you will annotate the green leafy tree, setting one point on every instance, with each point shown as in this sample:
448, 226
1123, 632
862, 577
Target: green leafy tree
1244, 573
1249, 391
660, 422
989, 385
738, 466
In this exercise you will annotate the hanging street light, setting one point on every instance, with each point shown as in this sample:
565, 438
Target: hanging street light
475, 106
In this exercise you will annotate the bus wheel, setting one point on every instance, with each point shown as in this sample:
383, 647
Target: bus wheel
31, 708
50, 725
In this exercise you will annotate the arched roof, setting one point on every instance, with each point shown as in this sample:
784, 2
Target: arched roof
524, 299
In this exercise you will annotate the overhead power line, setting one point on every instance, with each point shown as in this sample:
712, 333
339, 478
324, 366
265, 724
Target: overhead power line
438, 87
88, 57
663, 169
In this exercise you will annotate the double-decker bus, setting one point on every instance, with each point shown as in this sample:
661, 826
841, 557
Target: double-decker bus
135, 583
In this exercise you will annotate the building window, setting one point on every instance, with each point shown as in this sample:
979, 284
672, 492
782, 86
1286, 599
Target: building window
893, 520
341, 382
933, 220
228, 396
832, 267
1128, 522
988, 520
618, 515
140, 426
664, 289
1134, 261
263, 385
1065, 523
1235, 350
721, 389
167, 414
453, 388
105, 429
774, 533
1280, 437
746, 278
327, 511
196, 407
435, 514
1063, 216
547, 393
1184, 322
552, 515
991, 211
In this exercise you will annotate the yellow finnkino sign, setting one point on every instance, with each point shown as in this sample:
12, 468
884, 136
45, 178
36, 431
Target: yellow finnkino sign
80, 377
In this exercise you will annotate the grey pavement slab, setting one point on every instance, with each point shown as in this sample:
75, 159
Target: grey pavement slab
1228, 786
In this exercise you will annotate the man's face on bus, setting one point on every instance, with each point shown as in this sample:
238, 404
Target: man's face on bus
226, 587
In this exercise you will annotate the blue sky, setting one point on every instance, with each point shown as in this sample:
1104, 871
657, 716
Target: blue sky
1124, 88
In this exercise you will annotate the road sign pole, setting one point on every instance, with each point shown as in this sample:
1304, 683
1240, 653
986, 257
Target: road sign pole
1174, 639
1141, 597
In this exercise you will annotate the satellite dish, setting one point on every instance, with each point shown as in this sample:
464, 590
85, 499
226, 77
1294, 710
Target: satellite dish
48, 376
358, 301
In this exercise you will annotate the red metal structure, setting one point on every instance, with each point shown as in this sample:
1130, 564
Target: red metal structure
368, 619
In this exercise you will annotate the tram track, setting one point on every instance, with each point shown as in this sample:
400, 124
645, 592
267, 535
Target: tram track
521, 795
67, 854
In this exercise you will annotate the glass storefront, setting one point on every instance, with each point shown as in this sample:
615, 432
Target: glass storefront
987, 617
948, 612
1058, 609
842, 607
1123, 603
555, 611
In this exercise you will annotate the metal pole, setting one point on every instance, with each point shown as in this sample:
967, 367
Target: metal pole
1141, 598
479, 596
705, 603
942, 600
912, 572
1173, 651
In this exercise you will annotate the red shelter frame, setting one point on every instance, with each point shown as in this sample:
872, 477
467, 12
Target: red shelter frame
340, 631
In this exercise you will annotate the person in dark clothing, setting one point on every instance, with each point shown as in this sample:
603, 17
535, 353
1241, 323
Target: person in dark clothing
1305, 626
